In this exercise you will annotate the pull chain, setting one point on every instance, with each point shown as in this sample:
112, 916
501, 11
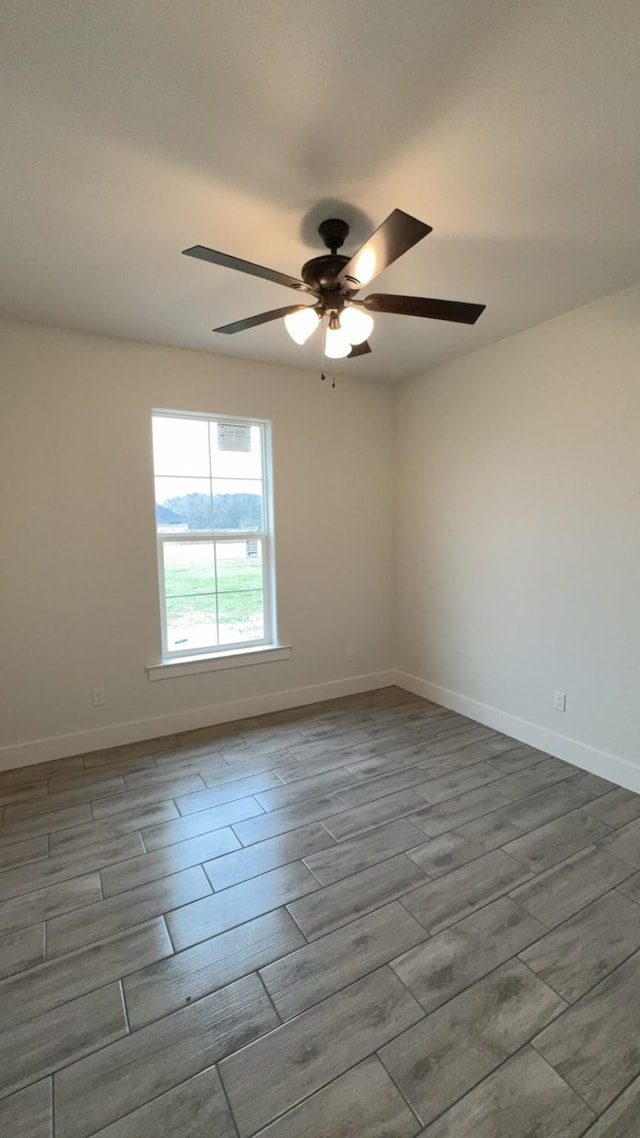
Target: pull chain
323, 374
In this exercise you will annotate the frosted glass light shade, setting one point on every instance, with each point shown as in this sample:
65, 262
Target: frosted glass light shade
337, 344
301, 324
356, 324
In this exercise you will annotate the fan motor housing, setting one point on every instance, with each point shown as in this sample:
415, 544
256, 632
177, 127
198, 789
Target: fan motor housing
321, 273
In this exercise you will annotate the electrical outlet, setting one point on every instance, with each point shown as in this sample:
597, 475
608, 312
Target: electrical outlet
348, 653
560, 700
97, 697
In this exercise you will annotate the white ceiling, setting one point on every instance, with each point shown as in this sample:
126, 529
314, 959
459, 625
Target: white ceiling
130, 131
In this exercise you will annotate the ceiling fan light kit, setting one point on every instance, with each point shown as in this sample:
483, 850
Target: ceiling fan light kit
344, 331
334, 279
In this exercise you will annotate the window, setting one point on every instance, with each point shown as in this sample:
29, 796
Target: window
213, 518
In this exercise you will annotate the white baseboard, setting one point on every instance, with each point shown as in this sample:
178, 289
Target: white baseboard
618, 770
117, 734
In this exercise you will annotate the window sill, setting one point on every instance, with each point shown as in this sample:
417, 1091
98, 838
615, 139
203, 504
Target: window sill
220, 661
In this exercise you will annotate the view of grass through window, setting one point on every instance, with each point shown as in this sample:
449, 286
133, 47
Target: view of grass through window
196, 609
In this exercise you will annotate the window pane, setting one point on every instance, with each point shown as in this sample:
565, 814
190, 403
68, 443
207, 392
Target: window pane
183, 505
191, 623
239, 565
237, 505
188, 568
240, 616
180, 446
236, 450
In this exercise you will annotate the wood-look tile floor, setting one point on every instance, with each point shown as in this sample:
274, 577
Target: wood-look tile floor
370, 917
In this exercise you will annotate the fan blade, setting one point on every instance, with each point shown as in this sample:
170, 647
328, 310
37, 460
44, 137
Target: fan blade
262, 318
203, 254
359, 350
453, 310
398, 233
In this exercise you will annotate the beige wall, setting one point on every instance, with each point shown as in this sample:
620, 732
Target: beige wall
518, 517
78, 578
516, 521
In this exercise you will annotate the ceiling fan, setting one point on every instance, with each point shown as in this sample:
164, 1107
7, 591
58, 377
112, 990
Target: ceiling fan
333, 280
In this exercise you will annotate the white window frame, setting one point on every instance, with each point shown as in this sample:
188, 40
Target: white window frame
265, 536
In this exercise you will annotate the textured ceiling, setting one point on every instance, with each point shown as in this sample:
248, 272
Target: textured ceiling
132, 130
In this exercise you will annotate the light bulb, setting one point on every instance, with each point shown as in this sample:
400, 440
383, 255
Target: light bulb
337, 343
356, 323
302, 323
